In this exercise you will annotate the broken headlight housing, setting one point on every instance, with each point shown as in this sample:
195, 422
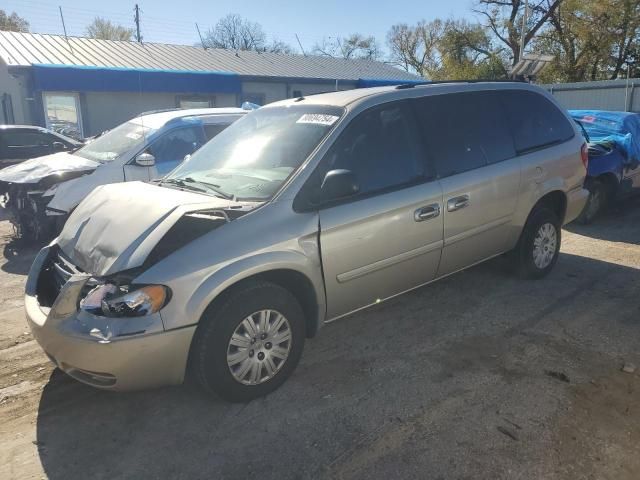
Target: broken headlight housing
111, 300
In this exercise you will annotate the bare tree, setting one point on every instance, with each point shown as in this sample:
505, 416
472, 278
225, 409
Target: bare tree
13, 22
504, 19
355, 45
415, 48
234, 32
106, 30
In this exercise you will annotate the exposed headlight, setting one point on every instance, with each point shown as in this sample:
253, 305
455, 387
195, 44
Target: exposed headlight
125, 301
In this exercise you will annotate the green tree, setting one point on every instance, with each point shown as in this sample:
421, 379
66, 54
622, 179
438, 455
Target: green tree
445, 50
13, 22
106, 30
591, 40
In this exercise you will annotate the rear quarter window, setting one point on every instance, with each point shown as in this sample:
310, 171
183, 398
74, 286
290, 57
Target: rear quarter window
535, 121
464, 131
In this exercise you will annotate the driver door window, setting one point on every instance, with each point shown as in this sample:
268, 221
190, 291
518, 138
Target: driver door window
380, 147
171, 148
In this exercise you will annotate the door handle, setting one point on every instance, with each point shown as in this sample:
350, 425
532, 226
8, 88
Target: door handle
427, 212
456, 203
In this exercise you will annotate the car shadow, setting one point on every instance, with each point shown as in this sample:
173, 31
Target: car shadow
612, 224
387, 363
19, 255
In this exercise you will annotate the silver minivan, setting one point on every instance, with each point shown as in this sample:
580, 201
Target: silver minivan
300, 213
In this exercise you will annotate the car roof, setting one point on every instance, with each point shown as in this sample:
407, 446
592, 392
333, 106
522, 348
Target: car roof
160, 118
344, 98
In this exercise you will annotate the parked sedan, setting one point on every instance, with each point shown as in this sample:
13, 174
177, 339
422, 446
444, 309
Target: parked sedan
21, 142
614, 157
41, 192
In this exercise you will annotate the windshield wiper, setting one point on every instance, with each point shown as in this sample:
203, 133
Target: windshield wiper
183, 184
210, 186
188, 183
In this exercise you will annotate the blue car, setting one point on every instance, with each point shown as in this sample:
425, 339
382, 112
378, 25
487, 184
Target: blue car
614, 157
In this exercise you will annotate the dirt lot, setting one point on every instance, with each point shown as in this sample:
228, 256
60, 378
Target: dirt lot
478, 376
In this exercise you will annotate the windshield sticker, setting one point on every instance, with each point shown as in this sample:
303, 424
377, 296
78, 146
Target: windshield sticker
318, 119
133, 135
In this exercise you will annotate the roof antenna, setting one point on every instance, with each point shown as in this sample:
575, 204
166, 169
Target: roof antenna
64, 28
299, 43
200, 35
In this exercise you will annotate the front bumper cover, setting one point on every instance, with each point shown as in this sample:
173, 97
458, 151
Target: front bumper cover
108, 353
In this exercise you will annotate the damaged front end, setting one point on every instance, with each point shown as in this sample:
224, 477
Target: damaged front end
26, 203
106, 329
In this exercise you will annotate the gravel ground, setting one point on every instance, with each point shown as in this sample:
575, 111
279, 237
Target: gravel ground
480, 375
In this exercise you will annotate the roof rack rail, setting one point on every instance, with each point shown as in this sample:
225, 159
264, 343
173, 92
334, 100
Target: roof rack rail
404, 86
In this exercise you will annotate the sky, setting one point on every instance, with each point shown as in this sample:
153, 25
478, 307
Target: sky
173, 21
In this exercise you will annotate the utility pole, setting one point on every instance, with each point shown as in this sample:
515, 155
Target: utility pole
137, 20
524, 28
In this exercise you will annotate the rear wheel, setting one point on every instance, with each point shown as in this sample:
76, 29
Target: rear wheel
250, 343
539, 245
596, 203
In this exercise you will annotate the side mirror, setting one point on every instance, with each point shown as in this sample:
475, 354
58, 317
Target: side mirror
58, 147
338, 184
145, 160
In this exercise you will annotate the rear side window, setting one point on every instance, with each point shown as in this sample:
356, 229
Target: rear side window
534, 120
381, 148
464, 131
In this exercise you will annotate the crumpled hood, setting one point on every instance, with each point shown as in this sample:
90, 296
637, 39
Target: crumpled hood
116, 226
35, 169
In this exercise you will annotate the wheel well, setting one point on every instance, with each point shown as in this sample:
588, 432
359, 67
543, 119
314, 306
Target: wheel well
297, 283
556, 201
609, 180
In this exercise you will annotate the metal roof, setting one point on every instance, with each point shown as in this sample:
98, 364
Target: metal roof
26, 49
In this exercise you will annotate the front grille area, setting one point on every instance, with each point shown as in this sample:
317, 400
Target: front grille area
55, 273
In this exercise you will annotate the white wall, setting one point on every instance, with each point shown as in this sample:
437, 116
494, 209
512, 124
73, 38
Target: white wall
104, 110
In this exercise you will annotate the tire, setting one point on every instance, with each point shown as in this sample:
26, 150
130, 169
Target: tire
596, 203
530, 261
212, 347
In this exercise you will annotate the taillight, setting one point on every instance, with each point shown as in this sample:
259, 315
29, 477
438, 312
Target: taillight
584, 153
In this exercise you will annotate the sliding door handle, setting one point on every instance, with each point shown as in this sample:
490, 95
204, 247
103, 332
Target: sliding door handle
456, 203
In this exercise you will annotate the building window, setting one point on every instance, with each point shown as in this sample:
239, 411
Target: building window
257, 98
196, 102
62, 113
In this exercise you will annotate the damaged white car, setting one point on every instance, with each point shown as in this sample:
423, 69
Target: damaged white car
40, 193
300, 213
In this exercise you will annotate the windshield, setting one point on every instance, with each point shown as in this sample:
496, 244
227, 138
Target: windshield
252, 158
115, 143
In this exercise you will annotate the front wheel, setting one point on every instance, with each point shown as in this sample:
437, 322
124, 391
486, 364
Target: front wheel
539, 245
249, 343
